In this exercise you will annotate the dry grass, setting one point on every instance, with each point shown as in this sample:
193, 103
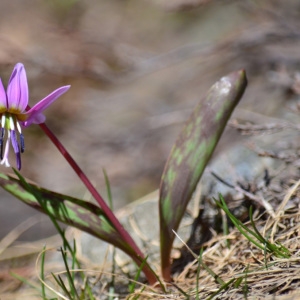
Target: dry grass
262, 275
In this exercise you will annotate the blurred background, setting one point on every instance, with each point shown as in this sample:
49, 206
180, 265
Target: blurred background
137, 69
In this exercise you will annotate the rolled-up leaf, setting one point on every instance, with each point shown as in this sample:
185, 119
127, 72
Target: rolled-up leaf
190, 155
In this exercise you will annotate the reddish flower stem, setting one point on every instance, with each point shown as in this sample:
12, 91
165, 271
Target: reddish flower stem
152, 279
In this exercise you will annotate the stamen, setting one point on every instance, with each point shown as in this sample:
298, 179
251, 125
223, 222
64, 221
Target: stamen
16, 148
22, 143
19, 127
1, 142
6, 151
11, 123
3, 118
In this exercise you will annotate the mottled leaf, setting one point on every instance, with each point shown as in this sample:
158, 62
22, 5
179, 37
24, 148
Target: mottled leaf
190, 154
71, 211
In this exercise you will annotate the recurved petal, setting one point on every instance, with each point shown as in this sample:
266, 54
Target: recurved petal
34, 115
3, 99
17, 90
36, 118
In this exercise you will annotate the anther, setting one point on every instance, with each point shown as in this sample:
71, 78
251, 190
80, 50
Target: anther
22, 143
1, 142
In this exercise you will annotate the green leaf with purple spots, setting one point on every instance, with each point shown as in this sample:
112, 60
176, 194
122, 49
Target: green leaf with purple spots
68, 210
190, 155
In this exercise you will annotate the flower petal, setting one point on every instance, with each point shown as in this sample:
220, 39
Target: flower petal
3, 99
35, 113
17, 90
37, 118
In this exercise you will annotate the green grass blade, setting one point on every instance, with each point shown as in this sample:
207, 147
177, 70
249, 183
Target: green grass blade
223, 287
190, 154
216, 277
245, 286
239, 281
253, 236
108, 189
198, 273
137, 275
186, 295
113, 267
26, 281
42, 274
88, 290
62, 285
222, 204
75, 262
225, 228
264, 241
69, 275
239, 225
279, 251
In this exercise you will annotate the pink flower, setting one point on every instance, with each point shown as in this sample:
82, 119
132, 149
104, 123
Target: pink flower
13, 114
